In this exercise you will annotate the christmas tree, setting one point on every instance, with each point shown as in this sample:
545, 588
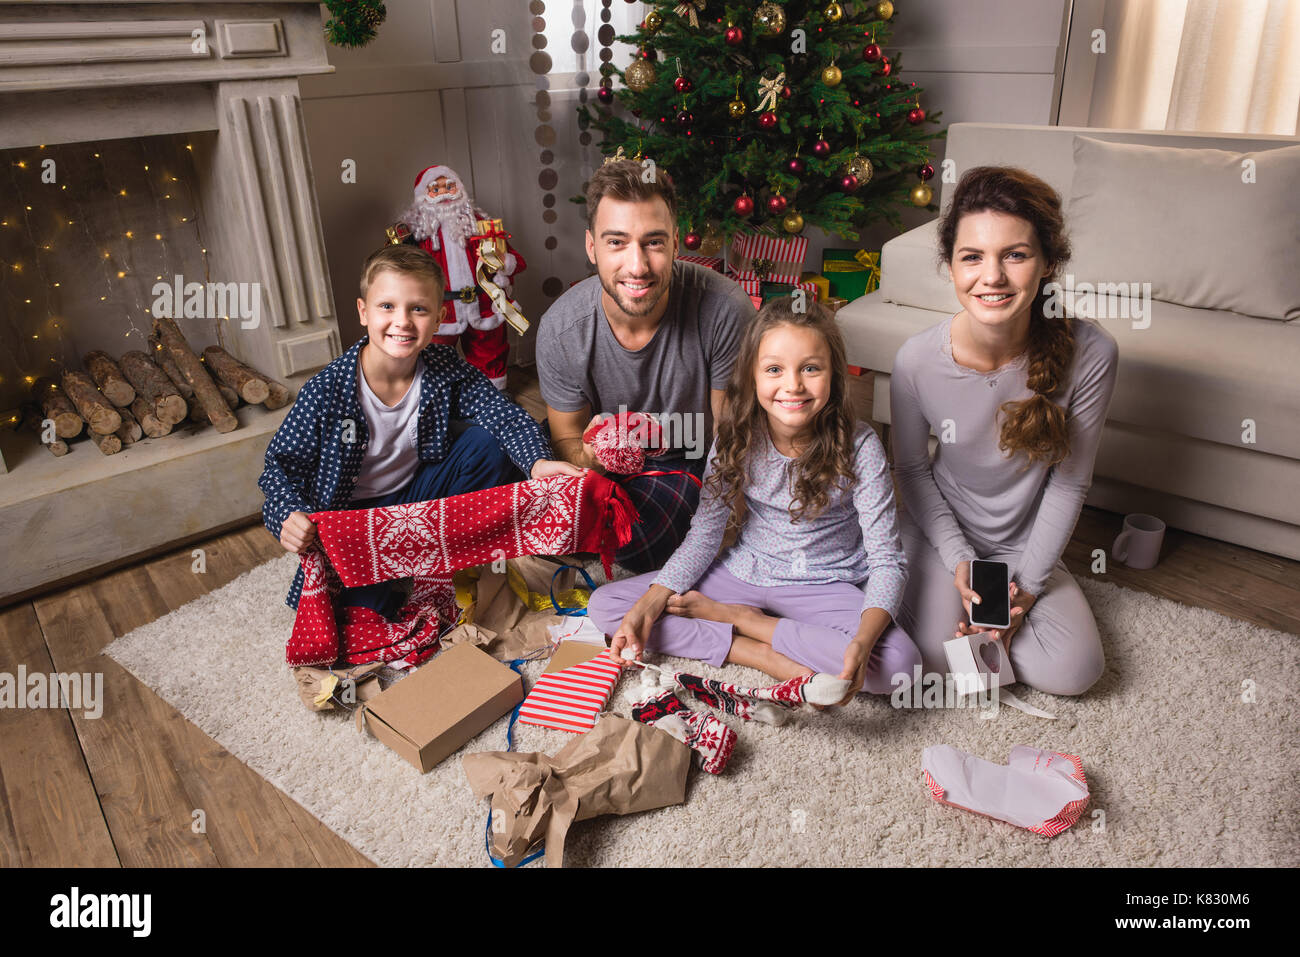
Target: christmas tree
771, 116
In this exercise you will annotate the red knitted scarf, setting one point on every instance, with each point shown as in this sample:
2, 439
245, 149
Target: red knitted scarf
427, 542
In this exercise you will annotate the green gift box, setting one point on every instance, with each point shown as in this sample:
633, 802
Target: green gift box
852, 273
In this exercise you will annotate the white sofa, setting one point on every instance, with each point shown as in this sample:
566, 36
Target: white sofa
1176, 443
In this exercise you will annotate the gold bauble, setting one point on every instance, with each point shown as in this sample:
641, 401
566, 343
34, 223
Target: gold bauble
769, 19
885, 9
640, 75
834, 13
831, 75
711, 243
653, 21
737, 108
792, 223
860, 167
921, 194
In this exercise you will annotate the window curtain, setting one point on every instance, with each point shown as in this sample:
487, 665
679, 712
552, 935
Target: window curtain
1228, 66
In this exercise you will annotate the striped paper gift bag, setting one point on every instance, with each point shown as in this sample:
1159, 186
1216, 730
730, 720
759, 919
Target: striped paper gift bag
574, 688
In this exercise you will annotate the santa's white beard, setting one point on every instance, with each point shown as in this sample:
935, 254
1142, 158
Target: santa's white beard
454, 215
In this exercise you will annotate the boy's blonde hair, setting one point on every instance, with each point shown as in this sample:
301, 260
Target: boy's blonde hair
407, 260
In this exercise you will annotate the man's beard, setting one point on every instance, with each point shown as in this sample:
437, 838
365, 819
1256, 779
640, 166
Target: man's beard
454, 215
637, 307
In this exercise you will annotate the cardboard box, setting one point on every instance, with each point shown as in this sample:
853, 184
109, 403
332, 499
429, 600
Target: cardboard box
427, 716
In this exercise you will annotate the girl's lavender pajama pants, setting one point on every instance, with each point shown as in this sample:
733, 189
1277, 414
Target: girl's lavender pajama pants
817, 623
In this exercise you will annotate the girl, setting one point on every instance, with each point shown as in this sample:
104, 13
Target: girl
814, 581
1018, 394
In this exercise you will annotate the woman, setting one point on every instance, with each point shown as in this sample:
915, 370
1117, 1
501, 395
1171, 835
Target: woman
1017, 394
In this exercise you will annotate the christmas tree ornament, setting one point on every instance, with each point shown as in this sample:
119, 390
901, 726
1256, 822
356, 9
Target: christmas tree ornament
649, 53
684, 119
743, 206
925, 172
786, 92
734, 36
834, 13
821, 149
871, 53
885, 9
653, 21
916, 116
793, 222
690, 9
767, 121
768, 88
777, 204
860, 168
921, 194
769, 19
640, 75
848, 183
737, 108
605, 95
713, 238
885, 67
692, 241
683, 83
831, 76
796, 166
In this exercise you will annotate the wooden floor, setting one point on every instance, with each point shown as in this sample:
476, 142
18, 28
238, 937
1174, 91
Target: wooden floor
123, 790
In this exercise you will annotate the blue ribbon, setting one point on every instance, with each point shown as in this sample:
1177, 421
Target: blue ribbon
510, 746
570, 612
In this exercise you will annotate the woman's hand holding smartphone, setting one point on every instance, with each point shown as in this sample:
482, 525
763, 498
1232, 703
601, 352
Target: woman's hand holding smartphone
1006, 615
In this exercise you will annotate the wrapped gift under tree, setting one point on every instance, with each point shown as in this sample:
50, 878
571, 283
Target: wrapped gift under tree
852, 273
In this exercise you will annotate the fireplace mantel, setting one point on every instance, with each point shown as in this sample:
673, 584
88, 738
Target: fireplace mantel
225, 74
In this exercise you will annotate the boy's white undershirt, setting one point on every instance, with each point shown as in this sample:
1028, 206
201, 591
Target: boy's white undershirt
391, 456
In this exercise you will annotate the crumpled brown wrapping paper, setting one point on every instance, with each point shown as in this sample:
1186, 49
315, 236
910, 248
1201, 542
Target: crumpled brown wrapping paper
618, 767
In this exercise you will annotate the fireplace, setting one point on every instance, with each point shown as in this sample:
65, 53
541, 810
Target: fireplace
153, 160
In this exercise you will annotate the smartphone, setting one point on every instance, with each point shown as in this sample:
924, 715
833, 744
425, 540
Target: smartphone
991, 582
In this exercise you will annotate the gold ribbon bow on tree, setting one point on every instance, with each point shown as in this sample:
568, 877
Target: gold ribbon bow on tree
862, 261
767, 92
492, 254
689, 8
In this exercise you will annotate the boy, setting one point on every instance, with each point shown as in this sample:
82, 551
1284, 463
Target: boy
375, 427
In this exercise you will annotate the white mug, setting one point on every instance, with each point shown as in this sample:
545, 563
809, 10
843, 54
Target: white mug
1138, 545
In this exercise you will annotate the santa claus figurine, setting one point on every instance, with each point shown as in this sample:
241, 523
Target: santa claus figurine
443, 219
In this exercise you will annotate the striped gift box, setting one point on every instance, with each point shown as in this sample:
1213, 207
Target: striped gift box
709, 262
767, 258
571, 693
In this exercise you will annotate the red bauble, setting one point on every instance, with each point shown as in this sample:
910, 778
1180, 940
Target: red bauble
796, 166
871, 53
821, 149
743, 206
786, 93
683, 84
776, 205
649, 53
767, 120
885, 67
734, 36
916, 116
925, 172
848, 183
685, 118
692, 240
605, 95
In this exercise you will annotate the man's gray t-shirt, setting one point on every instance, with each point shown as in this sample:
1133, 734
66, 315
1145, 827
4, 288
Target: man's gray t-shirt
581, 363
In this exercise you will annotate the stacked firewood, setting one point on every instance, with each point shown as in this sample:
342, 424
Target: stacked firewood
119, 402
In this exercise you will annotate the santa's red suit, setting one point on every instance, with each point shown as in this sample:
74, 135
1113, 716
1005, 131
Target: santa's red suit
476, 323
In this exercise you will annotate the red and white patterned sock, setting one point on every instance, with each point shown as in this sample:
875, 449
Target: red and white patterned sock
710, 738
819, 689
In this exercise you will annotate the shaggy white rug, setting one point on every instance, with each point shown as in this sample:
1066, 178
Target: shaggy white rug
1188, 743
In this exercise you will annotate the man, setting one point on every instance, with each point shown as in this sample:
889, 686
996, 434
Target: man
442, 218
650, 334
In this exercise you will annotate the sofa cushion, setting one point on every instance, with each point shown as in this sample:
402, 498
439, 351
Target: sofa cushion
1195, 372
1184, 221
911, 274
